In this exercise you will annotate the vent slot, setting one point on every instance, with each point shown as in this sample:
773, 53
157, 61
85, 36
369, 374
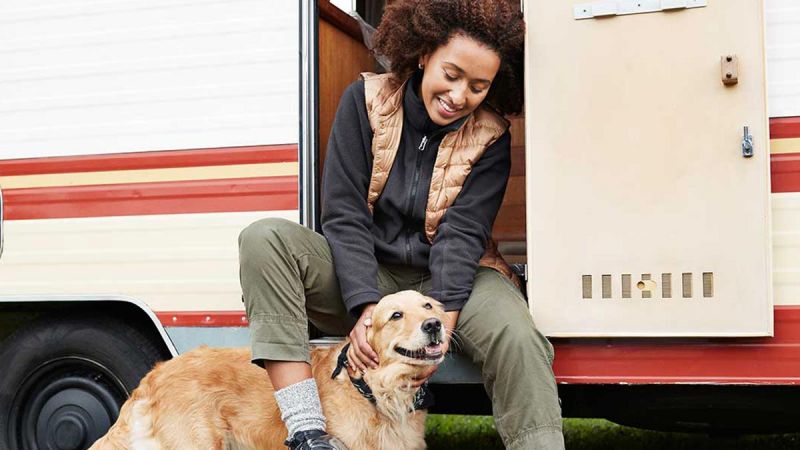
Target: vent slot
666, 285
586, 281
708, 284
606, 286
626, 285
687, 284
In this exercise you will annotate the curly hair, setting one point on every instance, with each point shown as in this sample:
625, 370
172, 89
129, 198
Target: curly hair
411, 28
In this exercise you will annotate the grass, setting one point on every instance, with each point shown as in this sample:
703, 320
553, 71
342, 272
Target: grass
450, 432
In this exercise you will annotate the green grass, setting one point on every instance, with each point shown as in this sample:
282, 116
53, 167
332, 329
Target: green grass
450, 432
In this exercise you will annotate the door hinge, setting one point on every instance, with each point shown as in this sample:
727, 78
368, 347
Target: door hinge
605, 8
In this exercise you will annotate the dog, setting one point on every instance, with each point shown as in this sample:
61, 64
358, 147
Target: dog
210, 398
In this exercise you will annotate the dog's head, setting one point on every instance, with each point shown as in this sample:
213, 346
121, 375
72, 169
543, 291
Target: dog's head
407, 328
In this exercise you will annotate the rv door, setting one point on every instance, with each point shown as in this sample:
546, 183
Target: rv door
648, 168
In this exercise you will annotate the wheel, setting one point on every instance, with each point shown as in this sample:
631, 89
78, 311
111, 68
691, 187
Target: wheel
65, 379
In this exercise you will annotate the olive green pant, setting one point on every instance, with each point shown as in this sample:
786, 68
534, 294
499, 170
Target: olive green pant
288, 279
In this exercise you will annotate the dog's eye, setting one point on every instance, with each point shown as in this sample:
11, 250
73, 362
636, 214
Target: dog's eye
427, 306
397, 315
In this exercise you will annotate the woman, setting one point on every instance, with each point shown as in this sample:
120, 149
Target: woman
417, 165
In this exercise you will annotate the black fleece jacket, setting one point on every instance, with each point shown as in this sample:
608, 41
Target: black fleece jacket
394, 233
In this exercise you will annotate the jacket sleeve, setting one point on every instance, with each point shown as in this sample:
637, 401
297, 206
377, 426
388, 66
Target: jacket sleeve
346, 220
467, 226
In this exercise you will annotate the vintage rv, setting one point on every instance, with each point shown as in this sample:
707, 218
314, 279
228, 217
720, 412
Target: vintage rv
653, 203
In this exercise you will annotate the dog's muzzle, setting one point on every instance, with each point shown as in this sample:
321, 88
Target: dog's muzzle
433, 350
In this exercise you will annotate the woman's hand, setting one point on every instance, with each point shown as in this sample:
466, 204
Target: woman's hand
360, 355
451, 318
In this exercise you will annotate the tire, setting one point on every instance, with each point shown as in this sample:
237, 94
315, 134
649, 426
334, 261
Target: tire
64, 380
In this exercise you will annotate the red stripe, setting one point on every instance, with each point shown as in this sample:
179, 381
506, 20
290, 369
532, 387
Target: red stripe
722, 360
774, 361
202, 318
152, 160
784, 128
785, 172
785, 167
176, 197
780, 128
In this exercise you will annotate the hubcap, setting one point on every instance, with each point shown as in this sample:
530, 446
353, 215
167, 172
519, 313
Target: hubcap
66, 404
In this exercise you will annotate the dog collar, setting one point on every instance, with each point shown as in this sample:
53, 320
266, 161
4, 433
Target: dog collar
423, 398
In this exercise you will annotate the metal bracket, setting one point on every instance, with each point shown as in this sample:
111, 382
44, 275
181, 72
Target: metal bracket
747, 143
730, 69
605, 8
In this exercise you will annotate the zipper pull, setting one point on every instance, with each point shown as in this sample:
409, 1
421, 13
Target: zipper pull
423, 143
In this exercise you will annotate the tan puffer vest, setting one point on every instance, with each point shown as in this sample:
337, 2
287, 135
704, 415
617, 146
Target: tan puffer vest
458, 151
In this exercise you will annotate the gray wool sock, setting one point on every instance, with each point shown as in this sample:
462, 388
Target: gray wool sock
300, 407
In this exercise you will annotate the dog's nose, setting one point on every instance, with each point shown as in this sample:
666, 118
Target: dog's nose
431, 325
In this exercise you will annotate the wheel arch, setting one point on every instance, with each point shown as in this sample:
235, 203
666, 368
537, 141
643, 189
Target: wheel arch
18, 310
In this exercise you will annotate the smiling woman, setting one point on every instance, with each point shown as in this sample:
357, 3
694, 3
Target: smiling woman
458, 78
411, 31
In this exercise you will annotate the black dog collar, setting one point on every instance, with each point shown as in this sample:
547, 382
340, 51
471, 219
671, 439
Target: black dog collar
423, 398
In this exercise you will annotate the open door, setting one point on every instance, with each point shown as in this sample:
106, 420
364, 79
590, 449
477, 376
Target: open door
648, 203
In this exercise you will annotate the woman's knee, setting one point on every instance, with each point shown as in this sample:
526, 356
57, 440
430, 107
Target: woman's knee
264, 229
264, 237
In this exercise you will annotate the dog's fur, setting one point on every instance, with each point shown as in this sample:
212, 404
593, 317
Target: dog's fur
207, 397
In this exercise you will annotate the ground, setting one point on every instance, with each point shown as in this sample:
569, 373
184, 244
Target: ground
450, 432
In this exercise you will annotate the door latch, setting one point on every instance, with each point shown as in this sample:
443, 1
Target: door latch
747, 143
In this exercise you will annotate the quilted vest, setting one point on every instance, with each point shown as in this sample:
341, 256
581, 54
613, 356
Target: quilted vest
458, 152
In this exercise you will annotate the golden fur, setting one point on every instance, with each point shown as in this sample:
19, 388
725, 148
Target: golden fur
203, 397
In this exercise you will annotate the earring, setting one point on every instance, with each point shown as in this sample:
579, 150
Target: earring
420, 66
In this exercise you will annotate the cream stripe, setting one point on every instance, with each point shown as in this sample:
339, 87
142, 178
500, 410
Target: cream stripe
150, 175
784, 145
171, 262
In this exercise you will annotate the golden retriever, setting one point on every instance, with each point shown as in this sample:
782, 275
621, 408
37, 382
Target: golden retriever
209, 398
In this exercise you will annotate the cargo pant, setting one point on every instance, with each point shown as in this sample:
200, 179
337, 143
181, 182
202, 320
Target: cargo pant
288, 279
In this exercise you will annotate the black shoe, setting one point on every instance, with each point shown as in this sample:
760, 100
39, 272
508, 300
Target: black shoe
314, 440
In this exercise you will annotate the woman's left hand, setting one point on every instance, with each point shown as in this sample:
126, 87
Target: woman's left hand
451, 318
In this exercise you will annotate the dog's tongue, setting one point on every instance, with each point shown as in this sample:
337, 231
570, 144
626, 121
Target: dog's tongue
433, 349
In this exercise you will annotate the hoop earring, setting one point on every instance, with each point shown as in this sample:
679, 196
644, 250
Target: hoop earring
420, 66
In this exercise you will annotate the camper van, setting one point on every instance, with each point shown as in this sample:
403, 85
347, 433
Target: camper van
653, 208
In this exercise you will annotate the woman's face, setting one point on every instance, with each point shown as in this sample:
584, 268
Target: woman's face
456, 78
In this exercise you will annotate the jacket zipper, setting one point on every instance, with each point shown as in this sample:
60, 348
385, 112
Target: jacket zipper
413, 193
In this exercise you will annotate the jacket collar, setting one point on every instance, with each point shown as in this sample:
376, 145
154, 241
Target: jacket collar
417, 115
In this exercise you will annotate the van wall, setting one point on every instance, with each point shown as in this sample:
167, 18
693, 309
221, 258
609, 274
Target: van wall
783, 57
138, 139
92, 77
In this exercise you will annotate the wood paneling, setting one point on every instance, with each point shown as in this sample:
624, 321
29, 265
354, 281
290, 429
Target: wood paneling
339, 19
510, 222
341, 59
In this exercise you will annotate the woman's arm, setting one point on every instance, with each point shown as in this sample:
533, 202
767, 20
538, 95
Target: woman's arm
346, 220
467, 225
